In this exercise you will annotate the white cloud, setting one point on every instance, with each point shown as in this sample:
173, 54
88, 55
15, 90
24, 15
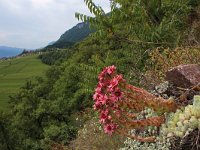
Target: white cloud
35, 23
41, 3
3, 35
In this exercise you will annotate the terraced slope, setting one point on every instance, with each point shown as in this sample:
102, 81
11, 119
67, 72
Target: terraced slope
15, 72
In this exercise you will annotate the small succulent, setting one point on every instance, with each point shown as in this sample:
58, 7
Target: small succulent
183, 121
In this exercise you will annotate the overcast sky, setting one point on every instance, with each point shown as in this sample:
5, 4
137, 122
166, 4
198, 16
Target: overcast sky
35, 23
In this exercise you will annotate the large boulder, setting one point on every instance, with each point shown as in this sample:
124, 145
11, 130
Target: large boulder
184, 76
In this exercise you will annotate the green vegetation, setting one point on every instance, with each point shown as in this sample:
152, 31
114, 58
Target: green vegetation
49, 112
55, 56
15, 72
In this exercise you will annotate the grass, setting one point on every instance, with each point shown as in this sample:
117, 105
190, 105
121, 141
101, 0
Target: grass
15, 72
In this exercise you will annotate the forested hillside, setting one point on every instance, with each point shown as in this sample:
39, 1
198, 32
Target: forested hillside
142, 38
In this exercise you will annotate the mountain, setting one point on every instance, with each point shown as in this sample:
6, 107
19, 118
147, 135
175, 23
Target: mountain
73, 35
6, 51
51, 43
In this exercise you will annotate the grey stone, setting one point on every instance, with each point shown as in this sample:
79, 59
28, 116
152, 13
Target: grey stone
184, 76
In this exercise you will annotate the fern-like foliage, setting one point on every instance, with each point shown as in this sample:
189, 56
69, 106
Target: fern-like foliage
148, 22
96, 10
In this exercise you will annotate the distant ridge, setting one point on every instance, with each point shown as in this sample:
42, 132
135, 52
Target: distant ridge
51, 43
6, 51
72, 36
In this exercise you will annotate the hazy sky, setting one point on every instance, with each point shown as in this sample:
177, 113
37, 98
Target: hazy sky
35, 23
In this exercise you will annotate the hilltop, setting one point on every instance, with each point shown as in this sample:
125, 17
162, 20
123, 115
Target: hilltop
72, 36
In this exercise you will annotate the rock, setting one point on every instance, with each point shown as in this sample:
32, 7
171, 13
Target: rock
184, 76
166, 90
162, 88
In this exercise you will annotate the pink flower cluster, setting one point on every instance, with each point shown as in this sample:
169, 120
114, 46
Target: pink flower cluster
106, 97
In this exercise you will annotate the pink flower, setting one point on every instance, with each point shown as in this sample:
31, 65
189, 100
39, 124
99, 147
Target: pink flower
109, 118
108, 71
104, 116
99, 87
116, 95
106, 97
110, 102
103, 99
96, 96
110, 128
115, 82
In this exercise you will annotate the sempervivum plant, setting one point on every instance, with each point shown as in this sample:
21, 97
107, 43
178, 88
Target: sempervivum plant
120, 105
183, 121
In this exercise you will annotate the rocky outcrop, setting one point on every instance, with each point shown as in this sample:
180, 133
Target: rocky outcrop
182, 83
184, 76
